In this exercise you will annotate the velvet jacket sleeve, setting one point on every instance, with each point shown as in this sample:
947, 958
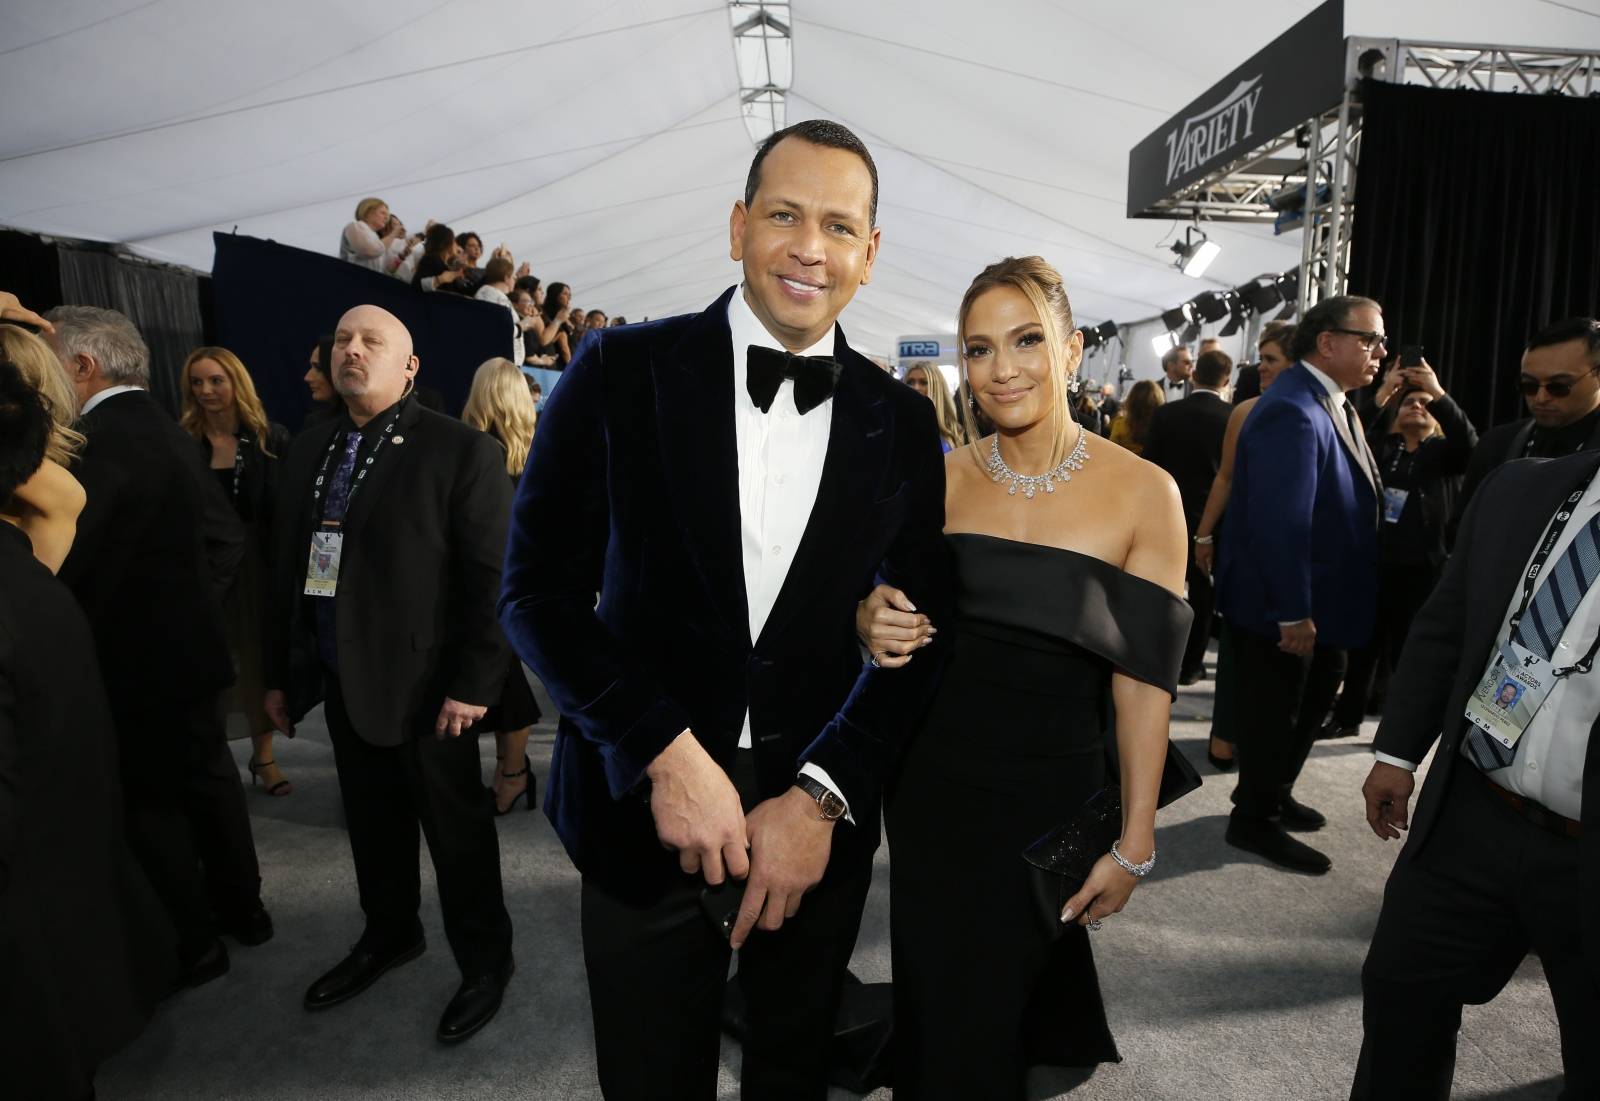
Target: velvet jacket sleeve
555, 558
1280, 446
862, 743
479, 503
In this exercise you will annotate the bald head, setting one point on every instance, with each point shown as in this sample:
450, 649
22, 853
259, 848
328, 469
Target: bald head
373, 363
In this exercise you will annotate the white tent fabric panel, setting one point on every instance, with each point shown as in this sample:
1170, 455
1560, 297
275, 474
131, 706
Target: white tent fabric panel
602, 139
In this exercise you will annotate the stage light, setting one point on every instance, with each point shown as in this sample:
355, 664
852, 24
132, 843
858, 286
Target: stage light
1108, 332
1195, 253
1177, 317
1091, 338
1234, 323
1261, 293
1192, 333
1214, 305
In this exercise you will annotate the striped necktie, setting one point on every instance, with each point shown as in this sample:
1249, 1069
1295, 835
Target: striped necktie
1543, 624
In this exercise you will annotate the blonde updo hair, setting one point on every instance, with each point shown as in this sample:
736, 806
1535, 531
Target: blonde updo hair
367, 206
42, 370
1042, 285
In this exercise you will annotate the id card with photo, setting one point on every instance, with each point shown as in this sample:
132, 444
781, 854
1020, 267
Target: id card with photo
1394, 503
322, 571
1510, 694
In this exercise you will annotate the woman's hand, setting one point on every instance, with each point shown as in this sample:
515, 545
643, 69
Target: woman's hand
1104, 893
446, 277
1205, 556
1425, 380
891, 628
1393, 379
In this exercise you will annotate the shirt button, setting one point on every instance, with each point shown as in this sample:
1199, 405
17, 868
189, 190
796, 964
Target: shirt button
1533, 766
777, 551
1563, 645
778, 478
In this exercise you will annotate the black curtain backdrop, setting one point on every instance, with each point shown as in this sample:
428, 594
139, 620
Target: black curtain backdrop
271, 302
1477, 222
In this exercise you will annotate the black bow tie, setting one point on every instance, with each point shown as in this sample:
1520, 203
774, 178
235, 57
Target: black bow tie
814, 377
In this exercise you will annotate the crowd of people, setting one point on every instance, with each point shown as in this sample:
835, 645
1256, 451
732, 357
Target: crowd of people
768, 625
546, 328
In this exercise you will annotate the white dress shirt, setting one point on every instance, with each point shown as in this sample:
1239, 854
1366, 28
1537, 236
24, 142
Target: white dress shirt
780, 467
486, 293
108, 392
1547, 766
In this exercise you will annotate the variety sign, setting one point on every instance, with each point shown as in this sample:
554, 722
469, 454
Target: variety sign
1298, 76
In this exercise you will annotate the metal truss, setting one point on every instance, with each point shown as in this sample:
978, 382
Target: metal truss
763, 49
1320, 156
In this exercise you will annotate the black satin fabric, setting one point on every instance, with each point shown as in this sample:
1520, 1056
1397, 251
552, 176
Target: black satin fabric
1014, 742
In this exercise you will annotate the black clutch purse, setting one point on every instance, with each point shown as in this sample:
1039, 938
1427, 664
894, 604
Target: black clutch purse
1060, 861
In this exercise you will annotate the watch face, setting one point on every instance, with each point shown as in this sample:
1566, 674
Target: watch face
832, 806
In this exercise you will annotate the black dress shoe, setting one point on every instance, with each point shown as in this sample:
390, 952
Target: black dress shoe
475, 1004
252, 929
1294, 815
1267, 839
1333, 728
210, 964
1193, 676
357, 971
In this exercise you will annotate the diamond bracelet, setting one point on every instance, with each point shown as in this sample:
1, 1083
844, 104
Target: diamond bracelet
1136, 870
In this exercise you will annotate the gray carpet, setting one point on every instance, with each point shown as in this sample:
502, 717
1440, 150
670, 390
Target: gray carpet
1224, 978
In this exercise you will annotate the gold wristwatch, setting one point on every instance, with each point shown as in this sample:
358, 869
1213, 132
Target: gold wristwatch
830, 808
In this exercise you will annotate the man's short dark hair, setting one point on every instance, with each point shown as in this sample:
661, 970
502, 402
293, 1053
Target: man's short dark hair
497, 270
829, 135
1326, 316
24, 429
1212, 369
1170, 356
529, 283
463, 238
1586, 329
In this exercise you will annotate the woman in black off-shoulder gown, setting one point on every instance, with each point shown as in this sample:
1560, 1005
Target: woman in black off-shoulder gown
1017, 736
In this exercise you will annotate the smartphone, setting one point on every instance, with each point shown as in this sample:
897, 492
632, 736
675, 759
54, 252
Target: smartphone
721, 905
1411, 355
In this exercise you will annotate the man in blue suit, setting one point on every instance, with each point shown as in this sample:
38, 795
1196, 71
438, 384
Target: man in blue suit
1297, 579
728, 485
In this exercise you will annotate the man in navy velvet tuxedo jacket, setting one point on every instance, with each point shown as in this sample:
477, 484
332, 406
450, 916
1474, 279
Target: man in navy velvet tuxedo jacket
717, 718
1297, 578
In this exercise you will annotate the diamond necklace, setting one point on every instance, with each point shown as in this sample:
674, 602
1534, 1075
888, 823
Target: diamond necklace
1032, 483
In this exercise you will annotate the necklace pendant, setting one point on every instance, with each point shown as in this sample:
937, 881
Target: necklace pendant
1028, 492
1049, 486
1012, 492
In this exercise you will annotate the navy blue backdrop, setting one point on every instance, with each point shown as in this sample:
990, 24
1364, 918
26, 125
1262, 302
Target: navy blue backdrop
272, 302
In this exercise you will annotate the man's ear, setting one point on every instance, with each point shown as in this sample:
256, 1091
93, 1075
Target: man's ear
736, 225
83, 366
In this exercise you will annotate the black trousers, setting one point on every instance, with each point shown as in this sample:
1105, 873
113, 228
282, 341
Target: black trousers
1280, 701
1224, 700
1203, 599
1402, 589
435, 787
186, 817
1459, 916
656, 978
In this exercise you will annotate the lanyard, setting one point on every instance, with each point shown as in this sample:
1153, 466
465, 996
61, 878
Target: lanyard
1536, 570
356, 482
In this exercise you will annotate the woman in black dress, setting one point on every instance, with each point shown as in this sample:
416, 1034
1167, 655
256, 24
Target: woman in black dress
500, 404
242, 448
1070, 562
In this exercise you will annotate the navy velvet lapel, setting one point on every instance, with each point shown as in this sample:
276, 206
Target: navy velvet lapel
392, 457
700, 456
858, 446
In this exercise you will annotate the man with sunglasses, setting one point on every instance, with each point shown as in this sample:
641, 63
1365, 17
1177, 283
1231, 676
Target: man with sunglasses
1560, 382
1297, 567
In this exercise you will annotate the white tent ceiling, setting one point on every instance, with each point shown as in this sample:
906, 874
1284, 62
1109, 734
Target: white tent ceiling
601, 139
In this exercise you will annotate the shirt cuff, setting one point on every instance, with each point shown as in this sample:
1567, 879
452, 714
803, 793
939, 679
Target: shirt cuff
1293, 622
1409, 766
820, 775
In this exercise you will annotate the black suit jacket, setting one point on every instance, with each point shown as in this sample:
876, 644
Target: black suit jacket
1450, 641
1185, 440
84, 947
157, 547
1247, 383
417, 581
632, 493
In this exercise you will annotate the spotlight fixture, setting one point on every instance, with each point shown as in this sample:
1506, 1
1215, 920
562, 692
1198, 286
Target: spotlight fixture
1191, 334
1195, 253
1261, 293
1215, 305
1235, 320
1091, 338
1108, 332
1178, 317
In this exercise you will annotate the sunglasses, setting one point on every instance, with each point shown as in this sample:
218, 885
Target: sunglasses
1369, 340
1556, 388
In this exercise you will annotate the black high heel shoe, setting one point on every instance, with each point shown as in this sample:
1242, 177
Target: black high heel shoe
532, 799
1221, 764
282, 787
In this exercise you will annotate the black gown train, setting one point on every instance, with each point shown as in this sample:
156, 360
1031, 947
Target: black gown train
1015, 741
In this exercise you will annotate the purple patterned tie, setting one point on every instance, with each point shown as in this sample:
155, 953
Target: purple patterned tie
337, 500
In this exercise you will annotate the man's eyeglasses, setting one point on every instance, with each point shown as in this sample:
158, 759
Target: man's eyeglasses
1369, 340
1556, 387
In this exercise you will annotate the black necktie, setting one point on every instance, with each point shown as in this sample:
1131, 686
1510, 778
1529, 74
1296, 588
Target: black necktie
766, 368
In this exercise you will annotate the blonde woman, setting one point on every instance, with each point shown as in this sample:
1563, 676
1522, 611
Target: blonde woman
242, 448
46, 506
374, 240
1133, 423
1070, 557
501, 405
927, 380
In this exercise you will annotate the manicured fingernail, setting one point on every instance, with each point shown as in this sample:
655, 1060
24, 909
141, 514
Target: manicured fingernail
1066, 915
910, 605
